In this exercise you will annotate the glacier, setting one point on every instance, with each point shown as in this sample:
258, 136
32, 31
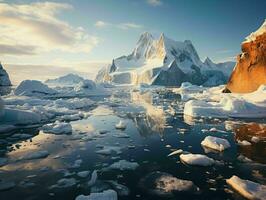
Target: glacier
164, 62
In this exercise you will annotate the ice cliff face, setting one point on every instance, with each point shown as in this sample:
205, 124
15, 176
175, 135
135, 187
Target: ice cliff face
4, 78
250, 71
163, 61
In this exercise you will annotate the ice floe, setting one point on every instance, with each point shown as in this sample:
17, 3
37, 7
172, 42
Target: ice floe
124, 165
247, 189
93, 178
57, 128
83, 174
121, 125
105, 195
196, 159
215, 143
108, 150
65, 183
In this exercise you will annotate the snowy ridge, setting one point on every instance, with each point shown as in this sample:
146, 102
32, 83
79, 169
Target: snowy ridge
257, 33
152, 58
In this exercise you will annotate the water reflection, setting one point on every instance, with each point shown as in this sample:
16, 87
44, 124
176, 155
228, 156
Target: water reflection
254, 133
153, 119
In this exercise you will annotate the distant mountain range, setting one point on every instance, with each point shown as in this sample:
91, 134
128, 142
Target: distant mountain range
164, 61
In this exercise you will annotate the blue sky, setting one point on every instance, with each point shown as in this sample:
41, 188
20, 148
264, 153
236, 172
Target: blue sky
73, 32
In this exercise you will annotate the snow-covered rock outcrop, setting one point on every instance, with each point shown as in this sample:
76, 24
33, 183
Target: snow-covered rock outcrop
4, 78
250, 70
165, 62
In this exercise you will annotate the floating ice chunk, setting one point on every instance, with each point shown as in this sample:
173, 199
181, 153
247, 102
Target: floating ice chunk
73, 103
93, 179
64, 183
196, 159
179, 151
124, 165
57, 128
244, 159
121, 125
105, 195
33, 88
108, 150
243, 142
35, 155
121, 135
255, 139
122, 190
77, 163
215, 143
247, 189
161, 183
83, 174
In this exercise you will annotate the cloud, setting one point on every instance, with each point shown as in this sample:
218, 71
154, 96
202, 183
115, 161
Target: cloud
126, 26
101, 24
155, 2
36, 26
17, 49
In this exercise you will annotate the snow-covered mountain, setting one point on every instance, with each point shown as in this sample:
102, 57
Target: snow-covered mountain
164, 61
4, 78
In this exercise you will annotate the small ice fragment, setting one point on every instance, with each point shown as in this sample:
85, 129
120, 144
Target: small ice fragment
121, 125
175, 152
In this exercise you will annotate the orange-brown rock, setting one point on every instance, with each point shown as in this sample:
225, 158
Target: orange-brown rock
250, 70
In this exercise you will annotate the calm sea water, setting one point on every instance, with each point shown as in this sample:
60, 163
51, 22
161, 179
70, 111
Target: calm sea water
153, 134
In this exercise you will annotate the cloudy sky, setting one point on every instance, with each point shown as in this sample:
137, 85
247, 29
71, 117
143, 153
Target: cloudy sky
40, 39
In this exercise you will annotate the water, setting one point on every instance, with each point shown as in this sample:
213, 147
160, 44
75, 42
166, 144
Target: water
153, 132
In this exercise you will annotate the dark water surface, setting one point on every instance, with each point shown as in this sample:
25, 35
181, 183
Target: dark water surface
153, 134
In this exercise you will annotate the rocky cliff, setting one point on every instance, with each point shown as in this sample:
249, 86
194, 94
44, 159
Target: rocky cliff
250, 70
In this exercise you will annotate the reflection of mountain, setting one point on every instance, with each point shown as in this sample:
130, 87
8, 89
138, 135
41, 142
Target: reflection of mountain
153, 120
256, 135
